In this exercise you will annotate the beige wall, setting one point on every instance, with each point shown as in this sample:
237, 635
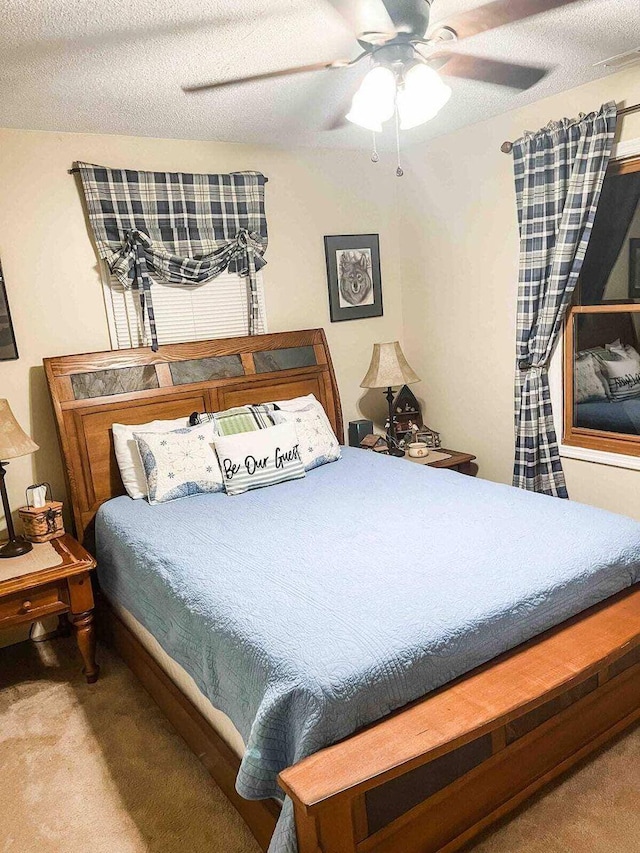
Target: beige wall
53, 284
459, 294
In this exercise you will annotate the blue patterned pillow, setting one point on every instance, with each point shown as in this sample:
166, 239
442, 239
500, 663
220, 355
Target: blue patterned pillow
318, 443
179, 463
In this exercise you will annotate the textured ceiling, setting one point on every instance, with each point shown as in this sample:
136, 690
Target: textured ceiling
117, 66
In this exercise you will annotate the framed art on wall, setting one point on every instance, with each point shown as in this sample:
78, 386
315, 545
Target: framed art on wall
353, 274
8, 348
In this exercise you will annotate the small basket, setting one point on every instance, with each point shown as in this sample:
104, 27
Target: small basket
42, 523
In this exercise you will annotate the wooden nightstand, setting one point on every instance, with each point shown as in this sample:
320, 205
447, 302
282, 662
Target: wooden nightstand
456, 460
53, 579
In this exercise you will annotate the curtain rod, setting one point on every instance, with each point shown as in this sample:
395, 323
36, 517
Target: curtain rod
507, 147
75, 171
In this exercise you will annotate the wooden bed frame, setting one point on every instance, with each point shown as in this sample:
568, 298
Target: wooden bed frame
428, 777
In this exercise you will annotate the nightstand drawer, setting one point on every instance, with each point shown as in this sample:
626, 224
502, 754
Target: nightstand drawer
33, 604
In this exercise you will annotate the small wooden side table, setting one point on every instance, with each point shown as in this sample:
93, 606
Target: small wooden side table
50, 581
456, 460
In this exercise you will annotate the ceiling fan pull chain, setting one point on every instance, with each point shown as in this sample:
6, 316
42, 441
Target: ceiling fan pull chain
374, 154
399, 170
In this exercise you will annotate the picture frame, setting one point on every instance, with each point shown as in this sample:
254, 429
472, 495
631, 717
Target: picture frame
353, 276
8, 346
634, 268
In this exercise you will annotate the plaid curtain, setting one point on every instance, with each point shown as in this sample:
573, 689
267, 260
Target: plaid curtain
181, 228
559, 173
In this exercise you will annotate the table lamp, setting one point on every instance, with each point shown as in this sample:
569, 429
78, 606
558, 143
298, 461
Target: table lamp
14, 442
389, 368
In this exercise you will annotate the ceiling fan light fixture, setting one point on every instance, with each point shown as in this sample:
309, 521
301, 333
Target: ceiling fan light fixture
421, 96
374, 102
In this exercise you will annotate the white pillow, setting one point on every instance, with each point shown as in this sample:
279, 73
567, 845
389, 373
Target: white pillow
128, 456
623, 377
297, 403
264, 457
318, 443
624, 351
180, 463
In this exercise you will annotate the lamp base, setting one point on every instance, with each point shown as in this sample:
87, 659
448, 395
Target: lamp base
16, 547
395, 451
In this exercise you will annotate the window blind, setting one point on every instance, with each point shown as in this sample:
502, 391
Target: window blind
219, 308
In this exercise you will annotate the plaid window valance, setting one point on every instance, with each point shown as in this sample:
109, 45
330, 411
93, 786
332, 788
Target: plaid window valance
180, 228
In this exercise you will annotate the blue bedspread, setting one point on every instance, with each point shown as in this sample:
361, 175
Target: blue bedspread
611, 415
308, 609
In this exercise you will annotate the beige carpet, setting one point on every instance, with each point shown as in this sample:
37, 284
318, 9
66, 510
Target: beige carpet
97, 768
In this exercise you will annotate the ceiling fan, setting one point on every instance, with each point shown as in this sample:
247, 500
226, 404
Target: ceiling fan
406, 58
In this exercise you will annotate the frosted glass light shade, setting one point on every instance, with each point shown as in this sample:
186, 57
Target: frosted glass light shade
14, 441
421, 96
374, 102
388, 368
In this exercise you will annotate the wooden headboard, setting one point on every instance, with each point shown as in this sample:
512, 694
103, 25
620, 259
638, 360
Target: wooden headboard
93, 391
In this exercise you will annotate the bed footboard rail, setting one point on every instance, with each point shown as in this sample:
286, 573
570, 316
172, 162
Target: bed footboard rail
435, 774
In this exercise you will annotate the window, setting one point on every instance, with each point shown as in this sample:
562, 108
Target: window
602, 330
215, 309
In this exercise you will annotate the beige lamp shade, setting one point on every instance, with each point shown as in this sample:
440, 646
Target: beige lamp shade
14, 441
388, 368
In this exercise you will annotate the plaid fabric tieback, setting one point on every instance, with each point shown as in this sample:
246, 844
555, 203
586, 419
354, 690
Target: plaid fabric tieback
135, 243
247, 260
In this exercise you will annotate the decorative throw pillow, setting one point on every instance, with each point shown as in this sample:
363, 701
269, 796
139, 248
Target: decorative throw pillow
621, 350
238, 419
295, 404
318, 443
128, 456
259, 458
601, 353
590, 383
623, 376
180, 463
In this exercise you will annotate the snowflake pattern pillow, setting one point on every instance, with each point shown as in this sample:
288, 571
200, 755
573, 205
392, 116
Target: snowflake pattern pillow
179, 463
318, 443
590, 383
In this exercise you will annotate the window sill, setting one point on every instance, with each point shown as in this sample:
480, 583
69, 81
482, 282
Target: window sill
600, 457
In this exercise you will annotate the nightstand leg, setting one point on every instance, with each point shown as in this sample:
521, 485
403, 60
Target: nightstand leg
86, 639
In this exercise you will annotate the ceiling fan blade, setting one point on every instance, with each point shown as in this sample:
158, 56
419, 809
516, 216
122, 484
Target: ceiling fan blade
491, 71
268, 75
497, 14
409, 16
364, 15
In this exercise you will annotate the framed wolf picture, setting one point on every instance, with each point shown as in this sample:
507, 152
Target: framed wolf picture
353, 273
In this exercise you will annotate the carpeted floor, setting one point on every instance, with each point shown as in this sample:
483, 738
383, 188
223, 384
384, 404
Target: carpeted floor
97, 768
